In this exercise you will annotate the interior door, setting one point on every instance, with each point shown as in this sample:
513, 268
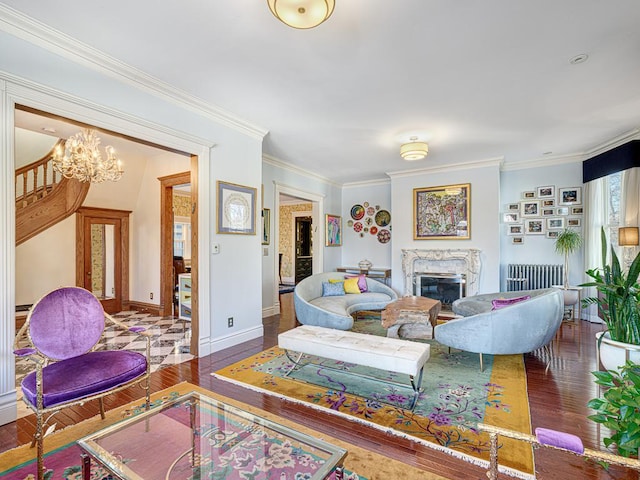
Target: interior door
102, 265
304, 257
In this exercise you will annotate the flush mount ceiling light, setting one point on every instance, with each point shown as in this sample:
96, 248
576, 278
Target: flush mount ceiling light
414, 150
301, 14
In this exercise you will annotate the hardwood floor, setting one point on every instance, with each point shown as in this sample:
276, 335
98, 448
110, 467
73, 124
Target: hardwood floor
558, 399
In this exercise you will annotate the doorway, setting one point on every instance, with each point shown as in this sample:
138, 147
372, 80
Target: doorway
102, 255
303, 248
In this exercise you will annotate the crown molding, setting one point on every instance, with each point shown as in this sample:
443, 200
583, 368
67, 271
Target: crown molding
613, 143
548, 161
368, 183
492, 162
42, 35
275, 162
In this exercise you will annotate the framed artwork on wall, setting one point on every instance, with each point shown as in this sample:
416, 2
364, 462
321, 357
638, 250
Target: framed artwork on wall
547, 192
530, 208
548, 203
574, 222
515, 229
442, 212
266, 226
528, 195
555, 223
517, 240
510, 217
236, 209
570, 196
553, 234
513, 207
534, 226
333, 229
548, 211
576, 210
562, 211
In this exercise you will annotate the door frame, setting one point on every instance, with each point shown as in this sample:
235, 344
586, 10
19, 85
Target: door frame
84, 217
166, 246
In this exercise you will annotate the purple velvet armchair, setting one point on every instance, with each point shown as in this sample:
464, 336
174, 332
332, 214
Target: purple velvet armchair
63, 329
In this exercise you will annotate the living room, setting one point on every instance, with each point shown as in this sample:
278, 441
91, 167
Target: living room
44, 69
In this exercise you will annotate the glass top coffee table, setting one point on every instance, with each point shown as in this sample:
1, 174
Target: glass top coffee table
195, 436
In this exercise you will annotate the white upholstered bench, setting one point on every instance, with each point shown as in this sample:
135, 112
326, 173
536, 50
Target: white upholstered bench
401, 356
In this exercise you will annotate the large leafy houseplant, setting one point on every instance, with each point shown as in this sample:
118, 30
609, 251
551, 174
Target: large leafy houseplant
567, 242
619, 409
619, 294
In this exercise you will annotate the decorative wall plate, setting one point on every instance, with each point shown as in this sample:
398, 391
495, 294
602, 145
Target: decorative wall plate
357, 212
371, 211
384, 236
373, 230
383, 218
357, 226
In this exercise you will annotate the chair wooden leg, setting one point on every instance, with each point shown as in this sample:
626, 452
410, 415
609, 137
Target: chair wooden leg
481, 364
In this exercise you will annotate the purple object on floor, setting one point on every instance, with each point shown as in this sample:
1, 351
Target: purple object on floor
558, 439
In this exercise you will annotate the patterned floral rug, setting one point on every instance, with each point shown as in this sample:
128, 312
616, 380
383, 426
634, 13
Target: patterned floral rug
456, 397
62, 459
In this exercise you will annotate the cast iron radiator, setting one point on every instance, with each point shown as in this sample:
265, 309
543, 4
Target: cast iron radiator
530, 277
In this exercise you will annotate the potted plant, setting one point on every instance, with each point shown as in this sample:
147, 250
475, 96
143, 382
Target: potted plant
619, 408
567, 242
617, 301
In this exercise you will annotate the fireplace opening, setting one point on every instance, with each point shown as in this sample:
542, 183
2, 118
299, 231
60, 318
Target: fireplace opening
446, 287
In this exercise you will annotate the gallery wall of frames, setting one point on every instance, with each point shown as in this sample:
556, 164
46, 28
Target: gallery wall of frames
546, 210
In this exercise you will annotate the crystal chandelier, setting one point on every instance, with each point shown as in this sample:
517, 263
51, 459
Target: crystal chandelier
81, 159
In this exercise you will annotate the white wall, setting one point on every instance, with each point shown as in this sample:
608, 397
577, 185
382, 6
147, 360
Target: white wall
45, 262
102, 92
538, 249
485, 226
358, 247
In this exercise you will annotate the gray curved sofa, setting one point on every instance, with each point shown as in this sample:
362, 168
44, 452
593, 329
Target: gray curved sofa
519, 328
335, 312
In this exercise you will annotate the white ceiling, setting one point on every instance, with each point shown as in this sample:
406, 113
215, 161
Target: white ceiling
478, 80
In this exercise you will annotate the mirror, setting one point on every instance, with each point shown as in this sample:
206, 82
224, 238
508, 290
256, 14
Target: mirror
103, 260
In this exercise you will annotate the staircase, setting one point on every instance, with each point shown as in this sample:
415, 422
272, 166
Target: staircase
44, 197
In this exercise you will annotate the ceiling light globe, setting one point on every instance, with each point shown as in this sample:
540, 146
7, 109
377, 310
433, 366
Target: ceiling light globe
301, 14
414, 150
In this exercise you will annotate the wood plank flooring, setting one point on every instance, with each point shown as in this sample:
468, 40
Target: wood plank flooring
558, 399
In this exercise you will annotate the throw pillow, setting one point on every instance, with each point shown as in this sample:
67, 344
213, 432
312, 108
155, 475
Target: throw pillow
505, 302
331, 289
362, 282
351, 285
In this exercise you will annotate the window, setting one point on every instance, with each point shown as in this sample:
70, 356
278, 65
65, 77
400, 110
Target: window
182, 238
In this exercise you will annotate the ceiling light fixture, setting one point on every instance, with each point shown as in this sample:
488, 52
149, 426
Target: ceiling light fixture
301, 14
81, 159
414, 150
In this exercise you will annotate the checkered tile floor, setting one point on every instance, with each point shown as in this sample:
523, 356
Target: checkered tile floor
169, 344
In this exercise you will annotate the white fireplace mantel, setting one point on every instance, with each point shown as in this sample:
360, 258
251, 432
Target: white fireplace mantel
460, 261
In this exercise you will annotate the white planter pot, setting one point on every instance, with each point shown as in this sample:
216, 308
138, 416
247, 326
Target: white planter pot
571, 295
614, 354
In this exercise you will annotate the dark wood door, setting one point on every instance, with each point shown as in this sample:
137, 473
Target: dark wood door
304, 258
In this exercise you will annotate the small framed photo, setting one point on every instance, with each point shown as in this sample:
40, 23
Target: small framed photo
548, 203
515, 230
530, 208
577, 210
574, 222
334, 230
548, 211
236, 209
534, 226
513, 207
546, 192
510, 217
553, 234
529, 195
555, 223
562, 211
570, 196
517, 240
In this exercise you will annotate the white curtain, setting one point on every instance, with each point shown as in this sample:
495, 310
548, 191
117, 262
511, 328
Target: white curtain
597, 205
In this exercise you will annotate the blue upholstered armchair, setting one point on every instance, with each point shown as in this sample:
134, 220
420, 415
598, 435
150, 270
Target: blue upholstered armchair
61, 331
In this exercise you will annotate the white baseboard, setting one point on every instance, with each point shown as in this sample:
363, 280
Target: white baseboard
270, 311
234, 339
8, 407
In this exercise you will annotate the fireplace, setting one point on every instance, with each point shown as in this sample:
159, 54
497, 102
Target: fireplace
456, 269
446, 287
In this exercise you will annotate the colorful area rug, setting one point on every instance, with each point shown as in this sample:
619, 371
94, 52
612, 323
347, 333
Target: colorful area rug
63, 455
456, 397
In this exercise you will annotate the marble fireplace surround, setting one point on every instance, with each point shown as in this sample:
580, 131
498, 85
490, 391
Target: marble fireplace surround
458, 261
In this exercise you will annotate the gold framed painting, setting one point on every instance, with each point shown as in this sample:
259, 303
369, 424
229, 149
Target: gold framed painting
236, 209
442, 213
